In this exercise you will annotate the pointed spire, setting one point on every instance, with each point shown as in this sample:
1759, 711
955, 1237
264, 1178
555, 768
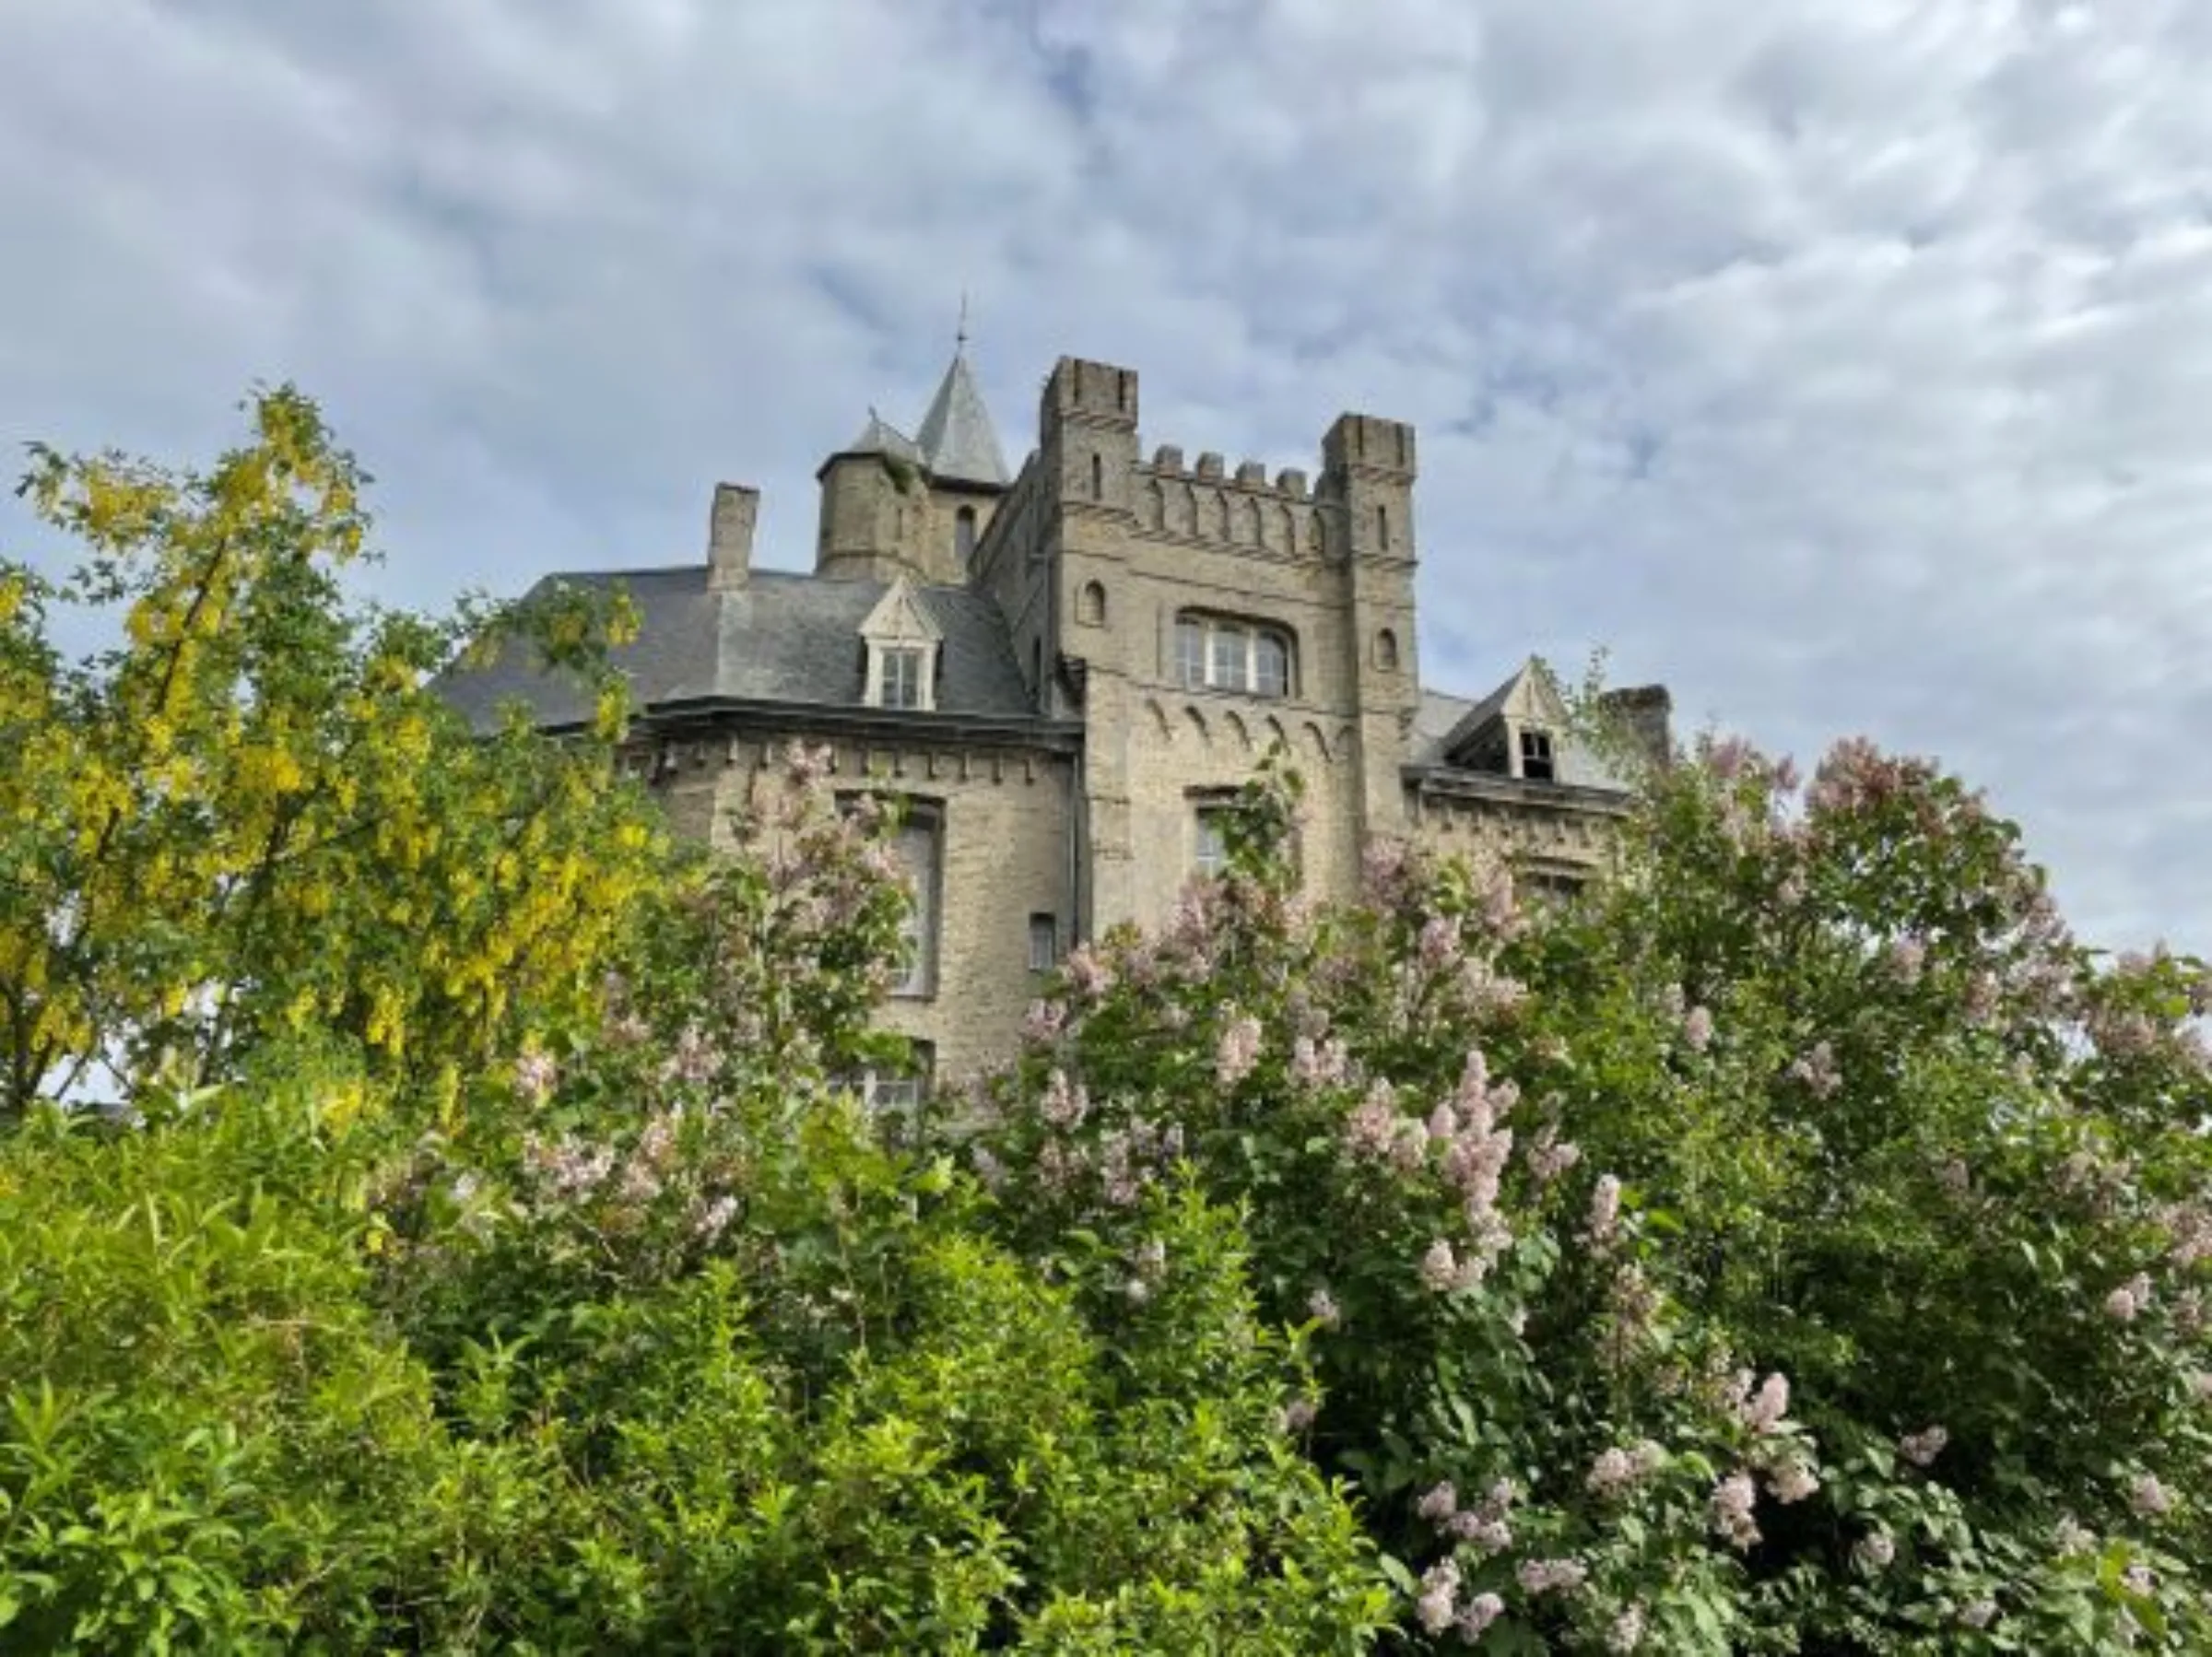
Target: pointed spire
958, 443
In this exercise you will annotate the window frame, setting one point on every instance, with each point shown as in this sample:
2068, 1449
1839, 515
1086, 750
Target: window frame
1226, 653
924, 928
1045, 929
1535, 747
902, 676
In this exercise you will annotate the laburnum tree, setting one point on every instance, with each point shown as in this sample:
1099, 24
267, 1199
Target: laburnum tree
250, 813
1798, 1242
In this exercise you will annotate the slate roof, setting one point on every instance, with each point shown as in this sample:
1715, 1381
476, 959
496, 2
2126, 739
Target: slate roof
957, 442
1438, 715
880, 437
781, 638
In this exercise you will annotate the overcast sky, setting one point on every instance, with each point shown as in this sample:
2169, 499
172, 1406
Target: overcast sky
1845, 364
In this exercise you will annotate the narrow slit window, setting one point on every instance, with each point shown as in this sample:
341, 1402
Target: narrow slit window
1044, 943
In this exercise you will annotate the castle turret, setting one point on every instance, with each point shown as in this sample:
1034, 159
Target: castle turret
894, 505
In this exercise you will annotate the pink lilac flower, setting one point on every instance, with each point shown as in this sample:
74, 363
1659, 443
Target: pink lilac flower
1443, 1122
1980, 1614
1551, 1576
2130, 1299
694, 1060
1238, 1052
1438, 1503
1697, 1029
1439, 945
1907, 957
1373, 1123
1922, 1448
1318, 1063
1322, 1307
1817, 1069
1298, 1414
1605, 1211
1440, 1268
2071, 1538
535, 1076
1613, 1474
1440, 1587
1764, 1413
714, 1219
1063, 1107
1792, 1482
2149, 1498
1478, 1615
1732, 1498
2140, 1581
1044, 1022
1626, 1634
2200, 1385
1549, 1156
1152, 1259
1088, 975
1874, 1551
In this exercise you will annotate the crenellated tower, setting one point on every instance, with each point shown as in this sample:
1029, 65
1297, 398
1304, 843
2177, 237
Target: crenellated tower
1366, 490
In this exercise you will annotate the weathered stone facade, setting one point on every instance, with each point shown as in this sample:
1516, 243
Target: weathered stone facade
1061, 670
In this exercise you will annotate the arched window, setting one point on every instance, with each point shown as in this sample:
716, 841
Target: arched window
1224, 653
1091, 605
963, 535
1386, 651
1098, 478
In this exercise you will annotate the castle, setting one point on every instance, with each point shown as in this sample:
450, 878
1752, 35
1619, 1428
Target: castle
1066, 672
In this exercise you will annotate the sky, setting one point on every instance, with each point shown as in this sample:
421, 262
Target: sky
1846, 365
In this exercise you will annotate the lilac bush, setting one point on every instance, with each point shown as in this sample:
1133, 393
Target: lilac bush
1801, 1239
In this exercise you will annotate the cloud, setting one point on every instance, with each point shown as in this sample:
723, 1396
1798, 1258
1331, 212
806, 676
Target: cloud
1845, 364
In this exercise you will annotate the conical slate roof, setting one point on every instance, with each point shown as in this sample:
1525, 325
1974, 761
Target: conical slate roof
957, 439
879, 436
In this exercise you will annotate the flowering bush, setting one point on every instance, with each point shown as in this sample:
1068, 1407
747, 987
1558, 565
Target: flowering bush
1798, 1242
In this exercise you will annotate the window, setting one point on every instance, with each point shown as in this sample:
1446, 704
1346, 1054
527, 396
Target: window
1098, 478
1270, 664
1386, 651
1210, 853
1382, 528
1189, 653
1231, 649
963, 535
894, 1093
915, 846
903, 668
1091, 605
1044, 943
1536, 756
1217, 654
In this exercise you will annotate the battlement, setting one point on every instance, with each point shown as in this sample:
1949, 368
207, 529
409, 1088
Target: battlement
1093, 393
1289, 482
1370, 445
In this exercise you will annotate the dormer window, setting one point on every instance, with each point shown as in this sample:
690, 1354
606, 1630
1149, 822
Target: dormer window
1536, 756
1214, 653
903, 651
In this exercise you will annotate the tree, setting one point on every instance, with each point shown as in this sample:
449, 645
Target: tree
252, 813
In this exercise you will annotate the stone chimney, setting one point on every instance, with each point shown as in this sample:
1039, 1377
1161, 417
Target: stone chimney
730, 537
1646, 713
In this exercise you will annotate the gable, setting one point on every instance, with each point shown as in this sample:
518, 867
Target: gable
900, 618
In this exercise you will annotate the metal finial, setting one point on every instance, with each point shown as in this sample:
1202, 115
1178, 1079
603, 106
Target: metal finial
960, 338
